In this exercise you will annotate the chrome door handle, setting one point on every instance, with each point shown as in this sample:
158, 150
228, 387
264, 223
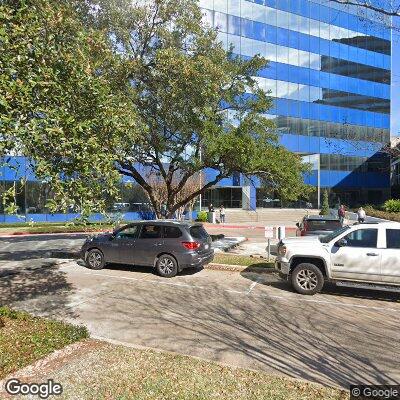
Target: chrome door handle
158, 244
372, 254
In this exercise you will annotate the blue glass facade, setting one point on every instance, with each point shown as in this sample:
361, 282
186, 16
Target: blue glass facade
329, 77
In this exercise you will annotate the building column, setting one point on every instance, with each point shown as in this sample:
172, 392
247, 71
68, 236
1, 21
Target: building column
249, 200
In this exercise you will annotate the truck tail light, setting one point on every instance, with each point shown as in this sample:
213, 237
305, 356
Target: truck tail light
191, 245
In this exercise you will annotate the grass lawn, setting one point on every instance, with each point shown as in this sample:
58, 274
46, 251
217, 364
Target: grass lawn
117, 372
235, 259
25, 339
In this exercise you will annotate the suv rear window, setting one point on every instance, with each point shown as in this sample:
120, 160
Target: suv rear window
322, 225
198, 232
172, 232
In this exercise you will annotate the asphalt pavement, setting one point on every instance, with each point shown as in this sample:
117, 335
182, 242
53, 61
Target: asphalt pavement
338, 337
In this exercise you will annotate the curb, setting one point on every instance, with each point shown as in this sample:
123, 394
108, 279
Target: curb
230, 244
239, 268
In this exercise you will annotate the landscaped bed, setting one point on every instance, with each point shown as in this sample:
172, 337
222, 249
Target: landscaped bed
25, 339
48, 227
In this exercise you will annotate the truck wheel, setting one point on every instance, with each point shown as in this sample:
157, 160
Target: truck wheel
307, 279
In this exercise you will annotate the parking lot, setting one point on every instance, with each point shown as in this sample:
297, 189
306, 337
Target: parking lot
339, 337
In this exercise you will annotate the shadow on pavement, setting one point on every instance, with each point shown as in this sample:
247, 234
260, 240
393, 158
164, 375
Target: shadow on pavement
44, 237
140, 268
298, 340
328, 289
45, 286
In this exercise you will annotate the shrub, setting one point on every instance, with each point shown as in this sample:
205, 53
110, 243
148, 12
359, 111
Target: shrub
202, 216
325, 203
392, 205
373, 212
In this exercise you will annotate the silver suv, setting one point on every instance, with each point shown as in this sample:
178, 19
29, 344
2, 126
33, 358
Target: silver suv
363, 255
169, 246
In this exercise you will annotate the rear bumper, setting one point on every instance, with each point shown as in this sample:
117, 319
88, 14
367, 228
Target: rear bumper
196, 260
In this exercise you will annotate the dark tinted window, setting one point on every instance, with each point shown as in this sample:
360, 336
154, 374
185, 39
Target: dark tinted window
150, 232
171, 232
198, 232
362, 238
322, 225
393, 238
128, 233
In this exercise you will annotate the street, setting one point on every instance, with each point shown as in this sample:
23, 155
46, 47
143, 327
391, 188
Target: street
250, 320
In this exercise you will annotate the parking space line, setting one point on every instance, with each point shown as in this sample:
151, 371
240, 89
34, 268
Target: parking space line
248, 292
252, 286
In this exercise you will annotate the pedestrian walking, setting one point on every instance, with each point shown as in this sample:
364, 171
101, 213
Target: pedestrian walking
341, 214
222, 214
210, 208
361, 215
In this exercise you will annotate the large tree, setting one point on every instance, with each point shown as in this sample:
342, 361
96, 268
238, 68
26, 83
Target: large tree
93, 91
199, 107
57, 105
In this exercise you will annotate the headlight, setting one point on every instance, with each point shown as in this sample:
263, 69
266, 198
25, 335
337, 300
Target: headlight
282, 250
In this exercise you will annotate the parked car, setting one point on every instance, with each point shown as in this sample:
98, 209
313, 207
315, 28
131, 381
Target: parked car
169, 246
315, 225
121, 206
363, 255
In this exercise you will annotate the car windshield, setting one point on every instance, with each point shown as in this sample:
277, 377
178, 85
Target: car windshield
323, 225
331, 236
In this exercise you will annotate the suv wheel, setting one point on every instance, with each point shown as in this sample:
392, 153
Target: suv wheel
167, 266
307, 279
95, 259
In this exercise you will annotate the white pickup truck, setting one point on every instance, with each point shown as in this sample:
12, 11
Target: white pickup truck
363, 255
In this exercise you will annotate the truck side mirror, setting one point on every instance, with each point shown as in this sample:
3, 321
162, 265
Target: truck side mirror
341, 243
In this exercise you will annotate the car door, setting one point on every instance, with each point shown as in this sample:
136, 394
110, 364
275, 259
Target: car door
390, 267
359, 257
173, 237
123, 244
149, 244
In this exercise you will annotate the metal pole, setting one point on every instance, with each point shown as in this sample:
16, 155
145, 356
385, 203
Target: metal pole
200, 199
269, 249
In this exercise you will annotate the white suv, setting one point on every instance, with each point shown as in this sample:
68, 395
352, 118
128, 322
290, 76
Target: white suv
363, 255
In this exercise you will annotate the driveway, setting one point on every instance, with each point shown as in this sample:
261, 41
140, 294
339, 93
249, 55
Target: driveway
254, 321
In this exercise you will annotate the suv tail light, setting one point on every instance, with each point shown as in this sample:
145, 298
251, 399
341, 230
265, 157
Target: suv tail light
191, 245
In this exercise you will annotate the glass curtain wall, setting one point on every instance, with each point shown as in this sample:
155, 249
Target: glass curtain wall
329, 76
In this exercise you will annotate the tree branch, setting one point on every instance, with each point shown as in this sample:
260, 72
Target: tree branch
369, 6
183, 202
